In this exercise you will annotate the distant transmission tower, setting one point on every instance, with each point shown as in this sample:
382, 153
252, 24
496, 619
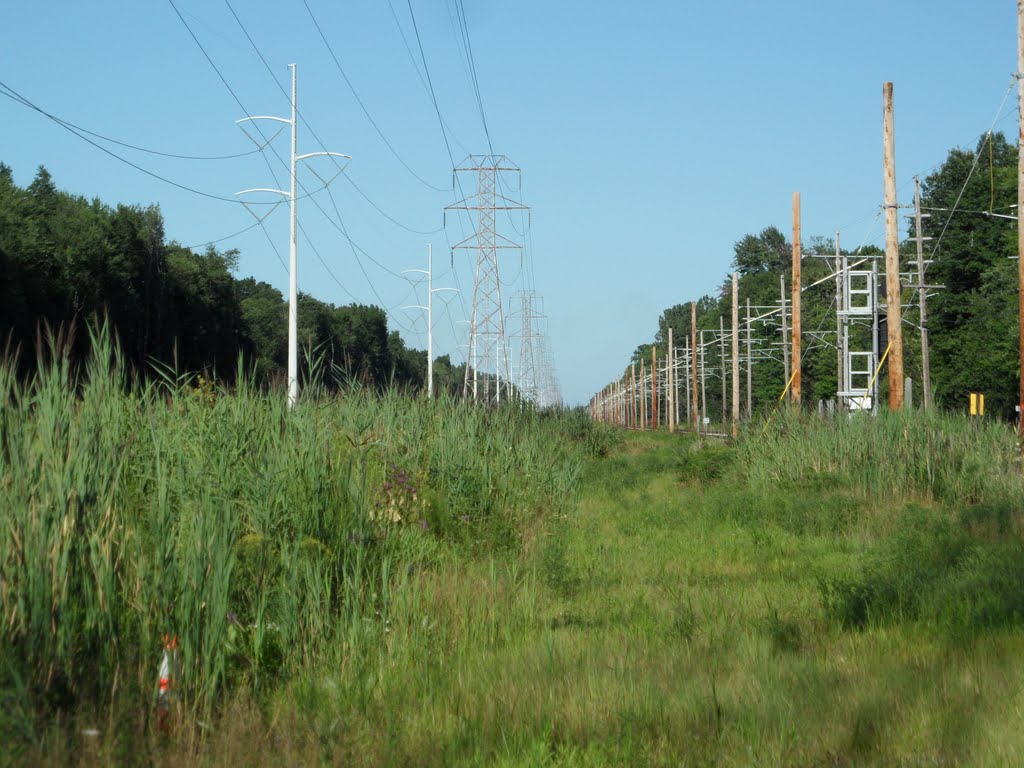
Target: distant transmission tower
488, 348
530, 347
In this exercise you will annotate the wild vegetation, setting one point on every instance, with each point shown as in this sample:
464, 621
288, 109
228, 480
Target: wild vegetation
270, 543
378, 580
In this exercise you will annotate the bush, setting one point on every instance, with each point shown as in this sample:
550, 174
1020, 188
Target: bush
706, 463
933, 570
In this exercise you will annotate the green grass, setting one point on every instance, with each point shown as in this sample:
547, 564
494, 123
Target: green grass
555, 593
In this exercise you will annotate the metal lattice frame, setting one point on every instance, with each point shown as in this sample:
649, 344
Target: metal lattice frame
488, 347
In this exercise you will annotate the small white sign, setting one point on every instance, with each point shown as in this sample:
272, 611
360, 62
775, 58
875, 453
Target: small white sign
706, 421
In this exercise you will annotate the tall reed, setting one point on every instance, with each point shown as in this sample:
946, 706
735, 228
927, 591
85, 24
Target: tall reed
265, 540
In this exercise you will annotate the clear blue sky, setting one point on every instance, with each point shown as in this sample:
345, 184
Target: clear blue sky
652, 135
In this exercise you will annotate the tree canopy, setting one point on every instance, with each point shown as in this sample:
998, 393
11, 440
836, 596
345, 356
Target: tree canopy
65, 260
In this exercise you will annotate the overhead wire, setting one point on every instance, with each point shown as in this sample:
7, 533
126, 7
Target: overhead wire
974, 166
128, 145
348, 82
419, 74
461, 12
24, 101
323, 147
341, 228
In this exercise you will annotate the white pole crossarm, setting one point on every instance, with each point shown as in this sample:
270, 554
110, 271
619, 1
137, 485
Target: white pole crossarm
292, 197
429, 309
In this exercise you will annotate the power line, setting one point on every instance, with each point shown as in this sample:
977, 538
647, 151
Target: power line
238, 101
419, 75
314, 134
461, 11
127, 145
974, 166
226, 237
433, 95
19, 98
348, 82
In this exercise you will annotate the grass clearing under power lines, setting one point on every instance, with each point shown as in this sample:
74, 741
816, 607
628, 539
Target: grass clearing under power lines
575, 597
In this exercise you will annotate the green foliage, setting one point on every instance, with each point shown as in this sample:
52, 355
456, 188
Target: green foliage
892, 456
974, 318
705, 463
66, 259
933, 570
264, 539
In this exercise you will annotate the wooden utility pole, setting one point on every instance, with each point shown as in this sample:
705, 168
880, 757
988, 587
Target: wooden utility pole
794, 390
922, 291
686, 378
785, 331
643, 396
703, 380
894, 315
632, 395
671, 384
693, 364
1020, 210
750, 364
655, 412
735, 354
721, 355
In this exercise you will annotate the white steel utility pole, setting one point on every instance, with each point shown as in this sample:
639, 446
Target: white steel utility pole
429, 309
292, 197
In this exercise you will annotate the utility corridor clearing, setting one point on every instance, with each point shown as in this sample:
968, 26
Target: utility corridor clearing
679, 620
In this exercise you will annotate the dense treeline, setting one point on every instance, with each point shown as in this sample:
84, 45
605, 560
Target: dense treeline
972, 317
65, 259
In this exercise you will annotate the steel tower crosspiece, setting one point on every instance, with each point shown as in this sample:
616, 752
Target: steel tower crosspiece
292, 197
488, 345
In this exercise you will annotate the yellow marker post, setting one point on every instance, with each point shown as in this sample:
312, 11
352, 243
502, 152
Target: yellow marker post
977, 404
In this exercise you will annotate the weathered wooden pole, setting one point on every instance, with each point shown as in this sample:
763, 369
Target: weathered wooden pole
632, 395
721, 357
655, 410
893, 314
794, 390
643, 395
687, 378
1020, 209
785, 331
735, 354
703, 381
693, 364
750, 364
671, 383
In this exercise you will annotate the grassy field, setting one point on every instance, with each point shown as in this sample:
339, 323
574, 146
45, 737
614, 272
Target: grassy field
384, 581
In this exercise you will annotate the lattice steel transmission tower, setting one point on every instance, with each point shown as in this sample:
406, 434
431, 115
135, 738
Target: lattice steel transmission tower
531, 347
488, 346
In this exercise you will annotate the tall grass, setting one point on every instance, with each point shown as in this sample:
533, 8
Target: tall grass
266, 541
918, 454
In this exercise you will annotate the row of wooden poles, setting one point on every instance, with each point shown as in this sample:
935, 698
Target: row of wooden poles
601, 404
632, 403
617, 402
